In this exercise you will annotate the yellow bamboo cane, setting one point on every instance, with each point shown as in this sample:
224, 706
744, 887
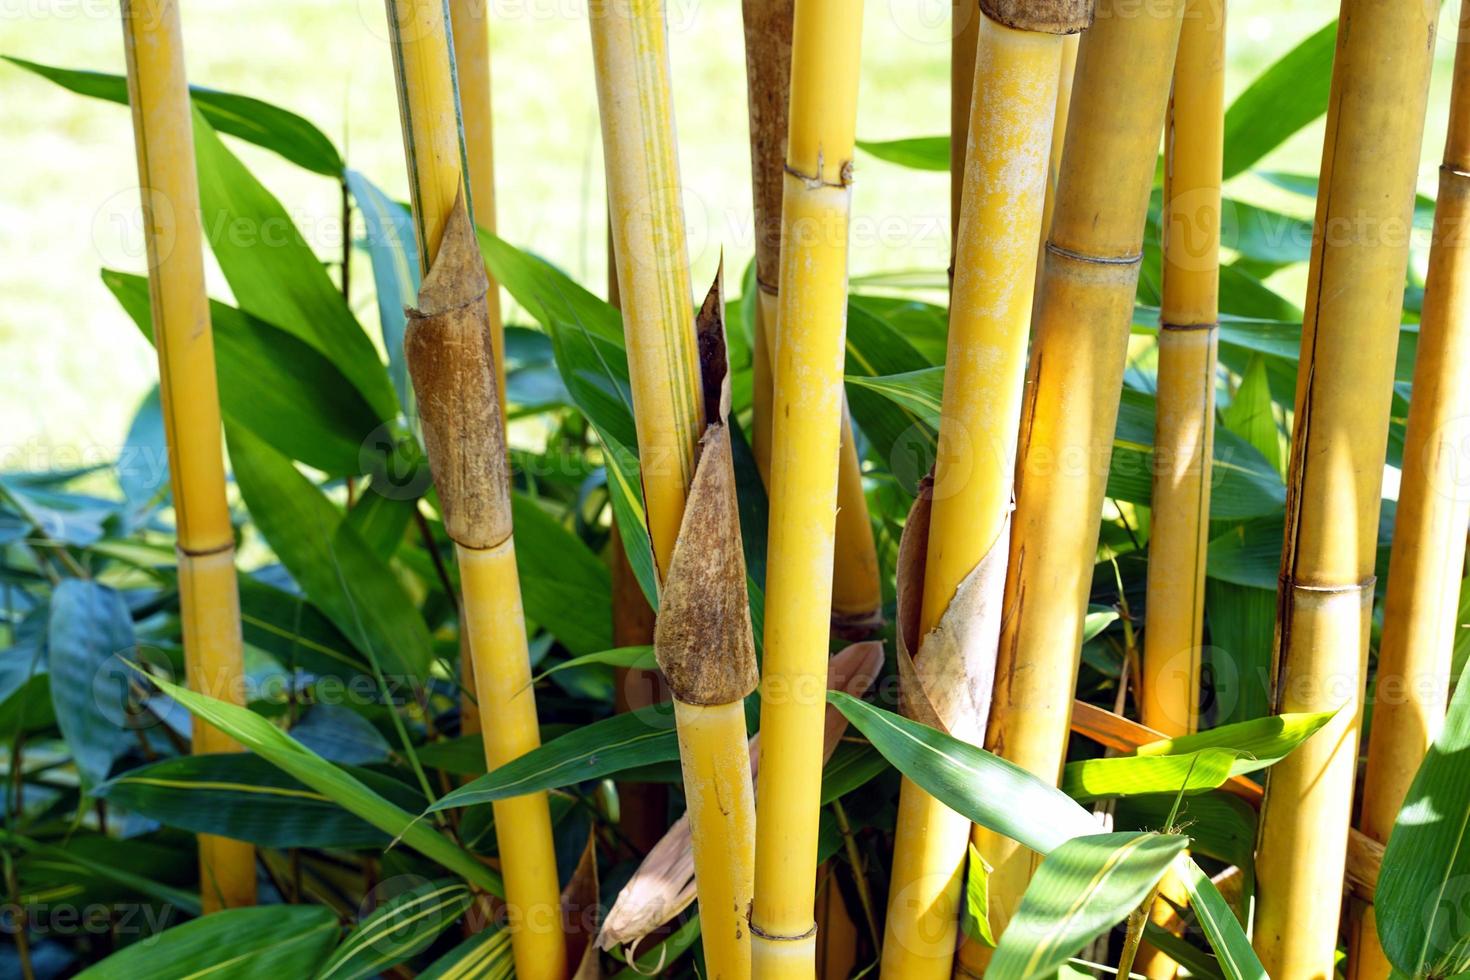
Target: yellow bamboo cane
1074, 377
472, 67
208, 594
805, 451
1184, 429
450, 357
1188, 334
964, 36
856, 590
1419, 617
631, 56
1375, 120
1015, 73
1428, 548
1067, 72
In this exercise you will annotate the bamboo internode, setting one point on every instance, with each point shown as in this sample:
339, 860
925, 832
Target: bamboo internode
805, 451
856, 590
450, 356
1075, 373
1015, 74
164, 136
1375, 120
1415, 653
1188, 337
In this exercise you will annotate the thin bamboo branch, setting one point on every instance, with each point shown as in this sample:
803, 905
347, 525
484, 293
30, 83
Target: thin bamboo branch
208, 592
450, 357
1375, 121
1076, 368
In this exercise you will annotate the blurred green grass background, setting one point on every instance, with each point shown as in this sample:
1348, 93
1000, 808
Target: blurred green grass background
73, 368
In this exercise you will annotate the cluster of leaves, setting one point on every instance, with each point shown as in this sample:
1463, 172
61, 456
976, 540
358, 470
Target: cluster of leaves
371, 850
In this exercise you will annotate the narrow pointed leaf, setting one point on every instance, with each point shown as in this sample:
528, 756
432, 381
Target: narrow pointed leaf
237, 944
398, 929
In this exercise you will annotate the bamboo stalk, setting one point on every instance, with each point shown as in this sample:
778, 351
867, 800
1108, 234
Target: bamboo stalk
1188, 336
1015, 75
163, 132
856, 589
1419, 616
470, 24
1375, 121
1067, 73
805, 452
1184, 429
450, 357
964, 35
672, 407
1075, 373
630, 51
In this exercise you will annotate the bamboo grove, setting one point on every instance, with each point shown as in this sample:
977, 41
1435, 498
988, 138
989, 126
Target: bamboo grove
657, 658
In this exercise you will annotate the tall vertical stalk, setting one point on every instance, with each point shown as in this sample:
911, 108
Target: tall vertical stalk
472, 68
1074, 377
805, 452
1015, 73
1188, 337
856, 590
1420, 611
964, 35
1375, 120
451, 359
1184, 427
672, 411
164, 136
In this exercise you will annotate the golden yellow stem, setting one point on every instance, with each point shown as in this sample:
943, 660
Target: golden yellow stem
647, 223
164, 136
1184, 428
1188, 334
1076, 369
964, 35
1419, 617
715, 759
805, 450
1375, 120
472, 64
856, 589
466, 442
630, 51
1014, 75
1067, 72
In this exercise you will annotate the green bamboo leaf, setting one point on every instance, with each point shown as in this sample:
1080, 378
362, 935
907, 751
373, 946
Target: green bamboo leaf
603, 748
1251, 413
90, 635
975, 916
637, 658
275, 275
587, 337
564, 586
1233, 952
272, 383
1220, 825
916, 153
992, 792
1258, 743
1194, 772
294, 632
1283, 99
339, 572
266, 740
397, 930
484, 956
268, 941
134, 865
1081, 889
1426, 866
253, 120
393, 250
245, 797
